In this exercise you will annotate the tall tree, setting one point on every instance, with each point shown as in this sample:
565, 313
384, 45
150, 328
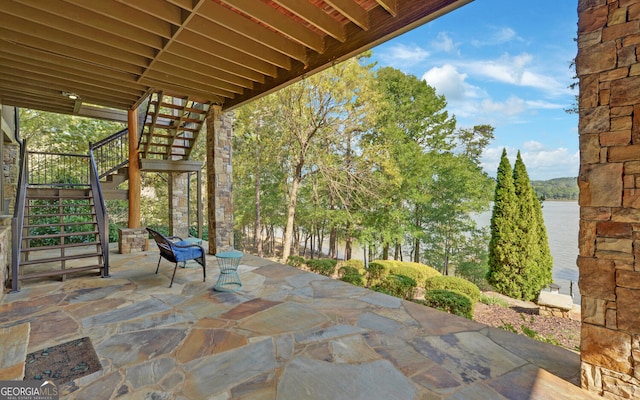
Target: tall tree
535, 255
504, 268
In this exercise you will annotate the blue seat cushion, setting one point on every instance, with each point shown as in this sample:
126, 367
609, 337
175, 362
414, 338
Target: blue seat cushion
187, 253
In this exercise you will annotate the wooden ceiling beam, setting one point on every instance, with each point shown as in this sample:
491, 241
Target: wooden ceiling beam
65, 85
390, 5
44, 70
351, 10
68, 40
69, 53
189, 84
316, 17
90, 18
127, 14
37, 105
209, 46
126, 85
160, 84
196, 77
222, 35
206, 69
159, 9
198, 56
279, 22
241, 25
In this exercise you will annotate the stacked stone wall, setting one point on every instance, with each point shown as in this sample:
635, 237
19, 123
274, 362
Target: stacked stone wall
609, 180
219, 180
178, 204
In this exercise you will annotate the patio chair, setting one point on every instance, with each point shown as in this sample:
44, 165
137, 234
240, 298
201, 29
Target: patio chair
176, 250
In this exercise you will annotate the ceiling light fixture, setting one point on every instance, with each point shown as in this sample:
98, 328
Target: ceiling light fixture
71, 95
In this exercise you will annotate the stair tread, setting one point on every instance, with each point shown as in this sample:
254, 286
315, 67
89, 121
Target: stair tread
59, 215
60, 235
58, 246
59, 224
61, 258
44, 274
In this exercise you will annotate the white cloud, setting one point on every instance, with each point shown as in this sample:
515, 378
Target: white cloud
518, 70
542, 163
497, 36
444, 43
402, 55
451, 83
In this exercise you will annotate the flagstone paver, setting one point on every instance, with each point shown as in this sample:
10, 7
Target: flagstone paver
287, 334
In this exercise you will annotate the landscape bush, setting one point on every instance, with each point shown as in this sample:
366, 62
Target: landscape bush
397, 285
455, 284
449, 301
418, 272
295, 261
323, 266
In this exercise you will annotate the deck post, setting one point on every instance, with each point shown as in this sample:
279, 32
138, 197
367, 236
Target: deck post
134, 170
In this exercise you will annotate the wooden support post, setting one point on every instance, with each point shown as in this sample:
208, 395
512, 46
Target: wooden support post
134, 170
200, 205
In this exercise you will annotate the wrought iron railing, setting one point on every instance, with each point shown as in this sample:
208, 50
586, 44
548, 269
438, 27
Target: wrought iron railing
56, 170
17, 222
111, 153
102, 217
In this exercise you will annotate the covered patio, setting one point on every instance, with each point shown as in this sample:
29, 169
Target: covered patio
287, 334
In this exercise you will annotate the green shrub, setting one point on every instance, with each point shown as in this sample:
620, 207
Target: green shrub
449, 301
397, 285
357, 264
455, 284
354, 279
295, 261
417, 271
323, 266
491, 300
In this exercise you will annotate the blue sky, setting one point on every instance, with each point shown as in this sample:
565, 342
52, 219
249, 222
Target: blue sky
504, 63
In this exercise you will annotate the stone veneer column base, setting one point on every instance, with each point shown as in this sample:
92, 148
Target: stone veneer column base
132, 240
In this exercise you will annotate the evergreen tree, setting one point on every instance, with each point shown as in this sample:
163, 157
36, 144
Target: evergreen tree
520, 261
504, 270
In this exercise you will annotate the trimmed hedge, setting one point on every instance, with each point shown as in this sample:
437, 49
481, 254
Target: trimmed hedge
296, 261
323, 266
454, 284
383, 268
397, 285
449, 301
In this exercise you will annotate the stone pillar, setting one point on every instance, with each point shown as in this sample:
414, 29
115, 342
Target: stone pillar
219, 186
609, 241
11, 170
132, 240
178, 205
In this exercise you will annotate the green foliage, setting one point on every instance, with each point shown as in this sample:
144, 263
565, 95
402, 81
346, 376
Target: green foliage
323, 266
351, 275
520, 261
454, 284
557, 189
397, 285
295, 261
492, 300
418, 272
449, 301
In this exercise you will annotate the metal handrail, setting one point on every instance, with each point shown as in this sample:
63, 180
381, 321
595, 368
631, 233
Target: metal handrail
17, 222
102, 217
56, 169
111, 153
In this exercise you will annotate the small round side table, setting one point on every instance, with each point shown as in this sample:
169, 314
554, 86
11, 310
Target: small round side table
228, 261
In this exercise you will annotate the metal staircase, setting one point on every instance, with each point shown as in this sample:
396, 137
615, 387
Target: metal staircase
60, 220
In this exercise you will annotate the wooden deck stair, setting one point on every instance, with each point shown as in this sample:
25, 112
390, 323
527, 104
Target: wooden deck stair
63, 221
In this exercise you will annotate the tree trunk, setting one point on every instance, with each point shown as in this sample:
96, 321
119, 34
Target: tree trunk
397, 254
416, 251
385, 251
257, 237
349, 242
291, 214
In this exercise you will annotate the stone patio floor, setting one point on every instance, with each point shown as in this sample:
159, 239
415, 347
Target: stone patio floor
287, 335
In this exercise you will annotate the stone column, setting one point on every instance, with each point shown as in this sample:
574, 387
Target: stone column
178, 204
609, 240
219, 185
